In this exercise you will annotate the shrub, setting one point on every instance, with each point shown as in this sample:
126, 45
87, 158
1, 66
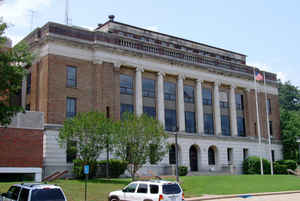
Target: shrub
79, 166
116, 167
182, 170
280, 168
291, 164
252, 165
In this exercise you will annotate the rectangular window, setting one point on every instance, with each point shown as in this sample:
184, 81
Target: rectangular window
245, 154
27, 107
126, 108
207, 96
24, 194
269, 106
208, 124
271, 128
126, 84
170, 119
225, 125
189, 96
71, 76
241, 126
28, 85
190, 123
71, 107
273, 155
148, 88
150, 111
153, 189
170, 91
239, 100
71, 151
143, 188
229, 155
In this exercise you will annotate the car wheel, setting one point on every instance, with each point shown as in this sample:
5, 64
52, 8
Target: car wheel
114, 198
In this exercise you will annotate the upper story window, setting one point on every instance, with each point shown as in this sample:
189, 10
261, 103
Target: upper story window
71, 76
148, 88
189, 96
269, 106
28, 86
150, 111
225, 125
71, 107
224, 99
241, 126
170, 91
239, 100
126, 84
207, 96
208, 124
271, 128
170, 120
190, 123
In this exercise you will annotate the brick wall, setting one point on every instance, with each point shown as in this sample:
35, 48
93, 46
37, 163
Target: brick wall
21, 147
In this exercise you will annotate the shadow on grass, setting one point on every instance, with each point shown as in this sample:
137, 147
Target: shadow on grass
111, 181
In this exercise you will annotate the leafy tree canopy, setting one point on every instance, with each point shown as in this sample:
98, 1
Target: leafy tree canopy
139, 139
88, 131
12, 71
289, 96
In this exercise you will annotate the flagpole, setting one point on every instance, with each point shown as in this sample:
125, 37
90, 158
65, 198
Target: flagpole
268, 126
258, 126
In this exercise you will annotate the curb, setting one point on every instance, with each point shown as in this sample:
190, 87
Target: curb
217, 197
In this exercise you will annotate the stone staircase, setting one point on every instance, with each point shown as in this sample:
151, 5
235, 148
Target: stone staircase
207, 173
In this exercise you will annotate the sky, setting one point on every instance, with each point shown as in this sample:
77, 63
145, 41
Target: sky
267, 31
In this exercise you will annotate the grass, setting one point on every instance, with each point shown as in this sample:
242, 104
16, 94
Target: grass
98, 189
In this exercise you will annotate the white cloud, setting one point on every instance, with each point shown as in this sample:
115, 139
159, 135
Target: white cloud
17, 11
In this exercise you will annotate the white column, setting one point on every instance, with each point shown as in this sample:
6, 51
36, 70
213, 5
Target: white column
217, 114
233, 120
138, 92
180, 103
199, 108
160, 98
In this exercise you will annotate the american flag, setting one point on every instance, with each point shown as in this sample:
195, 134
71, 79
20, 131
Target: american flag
258, 76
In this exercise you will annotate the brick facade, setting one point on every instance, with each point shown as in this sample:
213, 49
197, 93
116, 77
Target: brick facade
21, 147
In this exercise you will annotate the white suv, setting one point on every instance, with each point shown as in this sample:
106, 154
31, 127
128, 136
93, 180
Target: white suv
157, 190
33, 192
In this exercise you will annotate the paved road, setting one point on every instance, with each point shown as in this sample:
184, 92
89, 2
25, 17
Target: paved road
286, 197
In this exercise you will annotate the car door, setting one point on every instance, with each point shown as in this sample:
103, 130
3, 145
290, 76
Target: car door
129, 192
142, 192
12, 194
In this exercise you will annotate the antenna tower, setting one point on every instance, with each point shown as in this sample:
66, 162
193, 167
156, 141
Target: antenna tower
67, 19
32, 16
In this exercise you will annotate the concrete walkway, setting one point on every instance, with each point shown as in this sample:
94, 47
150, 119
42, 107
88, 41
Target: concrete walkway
274, 196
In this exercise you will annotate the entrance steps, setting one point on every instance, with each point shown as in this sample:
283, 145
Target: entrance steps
207, 173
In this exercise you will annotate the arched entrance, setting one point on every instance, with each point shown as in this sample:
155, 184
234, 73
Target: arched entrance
172, 155
193, 158
211, 156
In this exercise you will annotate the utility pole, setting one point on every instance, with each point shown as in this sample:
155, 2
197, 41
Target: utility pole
67, 18
176, 151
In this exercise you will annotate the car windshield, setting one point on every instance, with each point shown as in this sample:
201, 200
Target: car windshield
171, 189
48, 194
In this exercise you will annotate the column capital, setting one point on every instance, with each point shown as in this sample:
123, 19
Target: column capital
199, 80
117, 65
181, 77
248, 89
232, 86
161, 74
139, 69
217, 83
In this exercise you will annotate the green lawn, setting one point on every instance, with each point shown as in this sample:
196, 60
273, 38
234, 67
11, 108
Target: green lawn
98, 189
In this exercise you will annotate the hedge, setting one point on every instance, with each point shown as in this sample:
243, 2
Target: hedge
252, 165
182, 170
116, 167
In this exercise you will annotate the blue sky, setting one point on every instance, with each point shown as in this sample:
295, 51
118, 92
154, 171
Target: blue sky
267, 31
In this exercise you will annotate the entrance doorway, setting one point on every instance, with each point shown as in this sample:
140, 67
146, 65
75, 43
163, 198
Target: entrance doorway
193, 158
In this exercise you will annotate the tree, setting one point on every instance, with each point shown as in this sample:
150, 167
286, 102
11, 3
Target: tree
88, 131
139, 139
290, 131
12, 71
289, 96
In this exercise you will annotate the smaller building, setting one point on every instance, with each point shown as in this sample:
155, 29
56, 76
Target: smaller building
21, 146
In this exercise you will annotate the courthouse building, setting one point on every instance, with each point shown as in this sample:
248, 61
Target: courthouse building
208, 93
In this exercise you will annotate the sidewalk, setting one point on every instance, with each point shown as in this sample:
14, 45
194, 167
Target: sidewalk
217, 197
